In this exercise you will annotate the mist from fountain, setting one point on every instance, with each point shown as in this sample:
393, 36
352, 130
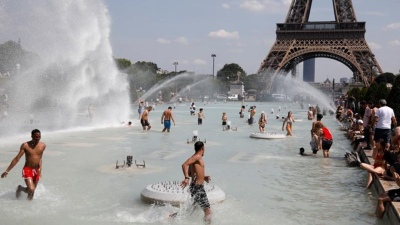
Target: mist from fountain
189, 87
163, 84
293, 86
76, 67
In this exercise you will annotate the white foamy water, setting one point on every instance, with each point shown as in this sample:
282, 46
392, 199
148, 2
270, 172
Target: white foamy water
76, 68
265, 181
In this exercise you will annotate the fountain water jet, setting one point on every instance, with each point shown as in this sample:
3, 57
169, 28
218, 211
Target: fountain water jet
76, 66
295, 86
174, 99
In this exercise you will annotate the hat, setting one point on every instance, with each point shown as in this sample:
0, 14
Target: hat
360, 121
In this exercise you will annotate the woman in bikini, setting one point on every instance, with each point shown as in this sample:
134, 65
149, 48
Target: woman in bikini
262, 122
379, 166
288, 120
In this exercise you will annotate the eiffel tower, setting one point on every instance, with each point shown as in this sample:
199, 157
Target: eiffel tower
298, 40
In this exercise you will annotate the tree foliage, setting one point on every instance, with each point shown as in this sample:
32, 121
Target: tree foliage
385, 78
371, 93
393, 98
231, 72
123, 63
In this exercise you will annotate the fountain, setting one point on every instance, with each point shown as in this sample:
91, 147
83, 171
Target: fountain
295, 86
76, 67
172, 193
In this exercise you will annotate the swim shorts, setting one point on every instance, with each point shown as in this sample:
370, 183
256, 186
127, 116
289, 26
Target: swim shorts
326, 144
394, 194
144, 122
250, 120
28, 172
223, 123
199, 121
199, 195
167, 124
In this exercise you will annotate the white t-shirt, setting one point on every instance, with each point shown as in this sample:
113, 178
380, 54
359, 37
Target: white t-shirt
385, 115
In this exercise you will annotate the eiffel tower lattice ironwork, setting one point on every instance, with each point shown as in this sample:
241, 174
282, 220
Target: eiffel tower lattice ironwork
298, 40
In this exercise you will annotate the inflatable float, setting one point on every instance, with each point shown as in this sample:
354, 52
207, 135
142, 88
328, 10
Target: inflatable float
268, 135
171, 192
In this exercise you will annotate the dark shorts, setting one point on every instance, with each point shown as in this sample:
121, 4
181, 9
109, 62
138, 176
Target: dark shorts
223, 123
383, 134
199, 195
167, 124
144, 122
326, 144
199, 121
394, 194
250, 120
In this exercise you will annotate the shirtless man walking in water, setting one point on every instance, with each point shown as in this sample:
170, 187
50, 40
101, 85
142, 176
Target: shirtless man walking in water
193, 168
31, 172
144, 119
166, 119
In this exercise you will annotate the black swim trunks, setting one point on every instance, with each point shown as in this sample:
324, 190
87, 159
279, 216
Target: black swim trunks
199, 195
144, 122
250, 120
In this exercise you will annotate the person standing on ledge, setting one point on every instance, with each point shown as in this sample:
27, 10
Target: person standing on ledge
193, 168
166, 119
31, 172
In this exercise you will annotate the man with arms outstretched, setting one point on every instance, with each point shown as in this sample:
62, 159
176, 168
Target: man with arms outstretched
193, 168
31, 172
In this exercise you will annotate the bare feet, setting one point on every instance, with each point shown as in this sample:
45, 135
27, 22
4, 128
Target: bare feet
18, 192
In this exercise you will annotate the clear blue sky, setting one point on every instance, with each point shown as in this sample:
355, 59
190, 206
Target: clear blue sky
237, 31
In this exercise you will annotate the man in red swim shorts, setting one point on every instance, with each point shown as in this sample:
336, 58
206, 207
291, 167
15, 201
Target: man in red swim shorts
33, 151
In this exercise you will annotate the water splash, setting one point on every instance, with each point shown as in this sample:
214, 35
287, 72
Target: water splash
163, 84
295, 86
76, 67
188, 87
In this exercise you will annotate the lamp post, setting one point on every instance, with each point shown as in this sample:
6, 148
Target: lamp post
175, 64
213, 56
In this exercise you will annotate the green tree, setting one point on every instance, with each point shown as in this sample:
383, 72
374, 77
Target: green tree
382, 92
385, 78
228, 73
231, 72
123, 63
371, 93
393, 98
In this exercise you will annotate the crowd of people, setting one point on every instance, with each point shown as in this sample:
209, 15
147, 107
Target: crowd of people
374, 128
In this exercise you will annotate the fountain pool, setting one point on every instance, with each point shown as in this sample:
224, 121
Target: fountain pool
265, 181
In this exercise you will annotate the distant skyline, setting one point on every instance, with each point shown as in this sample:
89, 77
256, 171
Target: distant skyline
241, 32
